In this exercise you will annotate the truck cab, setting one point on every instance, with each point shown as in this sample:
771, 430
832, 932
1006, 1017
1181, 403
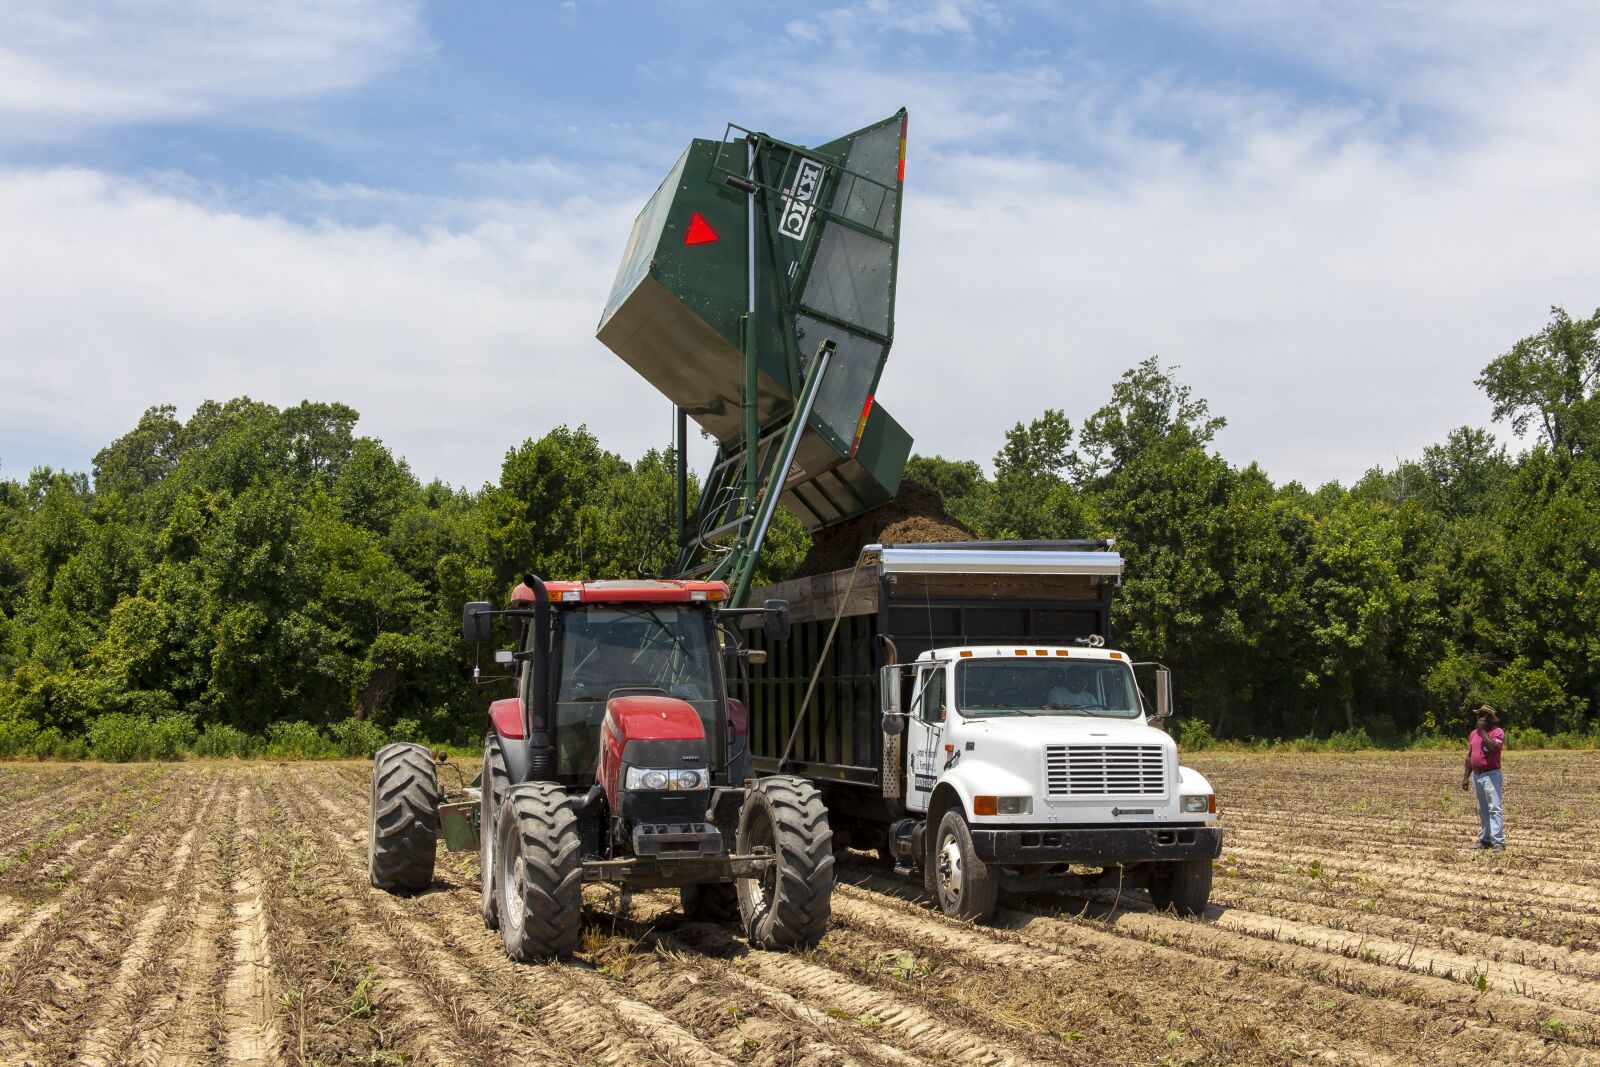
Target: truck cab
1024, 764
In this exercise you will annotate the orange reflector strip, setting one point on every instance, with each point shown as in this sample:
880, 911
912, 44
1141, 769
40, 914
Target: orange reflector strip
1061, 652
903, 121
1211, 804
949, 749
965, 654
1116, 655
1021, 652
985, 805
1041, 652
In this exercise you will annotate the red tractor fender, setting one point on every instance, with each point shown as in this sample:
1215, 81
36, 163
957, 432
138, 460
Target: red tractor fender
641, 718
506, 718
738, 719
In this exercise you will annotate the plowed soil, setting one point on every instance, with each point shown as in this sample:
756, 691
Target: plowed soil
220, 913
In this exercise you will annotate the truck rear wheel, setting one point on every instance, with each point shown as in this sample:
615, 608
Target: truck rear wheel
1184, 886
966, 887
538, 872
789, 905
710, 902
493, 787
403, 819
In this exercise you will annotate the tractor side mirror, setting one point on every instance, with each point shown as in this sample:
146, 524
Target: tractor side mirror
1163, 694
775, 623
504, 656
755, 657
477, 625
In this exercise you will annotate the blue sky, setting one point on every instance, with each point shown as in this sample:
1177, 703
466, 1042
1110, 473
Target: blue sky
1331, 216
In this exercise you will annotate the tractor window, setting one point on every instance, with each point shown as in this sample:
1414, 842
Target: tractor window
661, 648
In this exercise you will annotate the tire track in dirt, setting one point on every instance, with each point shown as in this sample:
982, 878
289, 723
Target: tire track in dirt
570, 1000
1458, 1021
121, 1005
1247, 1017
1465, 941
190, 1010
47, 961
247, 1019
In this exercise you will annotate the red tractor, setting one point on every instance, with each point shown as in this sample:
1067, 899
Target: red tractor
621, 759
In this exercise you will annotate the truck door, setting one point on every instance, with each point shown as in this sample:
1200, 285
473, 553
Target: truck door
924, 731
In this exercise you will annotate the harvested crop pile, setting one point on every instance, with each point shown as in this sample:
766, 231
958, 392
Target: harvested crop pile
916, 516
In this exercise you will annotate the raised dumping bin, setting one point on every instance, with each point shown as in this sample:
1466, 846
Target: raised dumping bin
819, 265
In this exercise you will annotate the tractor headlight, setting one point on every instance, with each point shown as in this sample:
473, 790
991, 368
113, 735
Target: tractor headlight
1204, 804
651, 778
645, 778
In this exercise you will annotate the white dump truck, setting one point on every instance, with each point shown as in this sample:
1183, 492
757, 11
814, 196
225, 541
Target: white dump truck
959, 710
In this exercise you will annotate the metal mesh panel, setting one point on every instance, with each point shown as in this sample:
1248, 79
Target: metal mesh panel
875, 155
843, 391
850, 278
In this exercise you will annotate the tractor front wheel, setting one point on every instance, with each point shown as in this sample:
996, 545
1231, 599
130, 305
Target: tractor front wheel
493, 789
403, 819
788, 906
538, 869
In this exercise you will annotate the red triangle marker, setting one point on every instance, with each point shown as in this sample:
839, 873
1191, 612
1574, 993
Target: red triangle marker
700, 231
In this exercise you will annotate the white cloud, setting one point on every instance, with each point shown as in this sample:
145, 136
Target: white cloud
455, 344
66, 68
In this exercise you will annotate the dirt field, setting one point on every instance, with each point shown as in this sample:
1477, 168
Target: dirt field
205, 913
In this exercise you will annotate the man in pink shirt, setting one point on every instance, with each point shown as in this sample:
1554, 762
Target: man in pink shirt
1482, 772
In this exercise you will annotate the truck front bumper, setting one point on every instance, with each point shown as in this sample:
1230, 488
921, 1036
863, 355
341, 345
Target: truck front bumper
1097, 846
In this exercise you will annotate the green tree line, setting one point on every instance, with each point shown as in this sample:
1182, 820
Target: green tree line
257, 573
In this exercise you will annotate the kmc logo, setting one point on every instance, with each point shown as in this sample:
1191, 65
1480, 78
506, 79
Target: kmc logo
799, 200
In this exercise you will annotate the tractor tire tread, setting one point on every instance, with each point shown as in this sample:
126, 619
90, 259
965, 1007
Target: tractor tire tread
403, 832
551, 859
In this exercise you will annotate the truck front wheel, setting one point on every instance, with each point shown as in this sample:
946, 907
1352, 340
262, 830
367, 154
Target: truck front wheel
1184, 886
964, 884
538, 867
788, 906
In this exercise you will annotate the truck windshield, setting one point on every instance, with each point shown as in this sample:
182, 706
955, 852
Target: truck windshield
994, 687
661, 647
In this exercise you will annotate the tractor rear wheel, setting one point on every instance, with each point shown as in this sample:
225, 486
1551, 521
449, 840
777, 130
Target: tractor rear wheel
789, 905
1184, 886
538, 872
403, 819
710, 902
493, 786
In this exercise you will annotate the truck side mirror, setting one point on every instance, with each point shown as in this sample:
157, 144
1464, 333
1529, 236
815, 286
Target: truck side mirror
894, 724
477, 625
775, 623
504, 656
1163, 694
755, 657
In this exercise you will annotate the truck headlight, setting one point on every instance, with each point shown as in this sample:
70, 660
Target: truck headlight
984, 805
1203, 804
652, 778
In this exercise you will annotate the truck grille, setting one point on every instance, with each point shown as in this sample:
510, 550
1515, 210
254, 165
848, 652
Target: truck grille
1105, 770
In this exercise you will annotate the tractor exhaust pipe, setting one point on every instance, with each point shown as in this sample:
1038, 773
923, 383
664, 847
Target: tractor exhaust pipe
541, 752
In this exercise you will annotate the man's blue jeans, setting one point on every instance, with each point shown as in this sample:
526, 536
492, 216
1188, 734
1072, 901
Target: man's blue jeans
1487, 786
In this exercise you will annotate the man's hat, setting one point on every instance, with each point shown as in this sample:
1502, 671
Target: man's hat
1484, 709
